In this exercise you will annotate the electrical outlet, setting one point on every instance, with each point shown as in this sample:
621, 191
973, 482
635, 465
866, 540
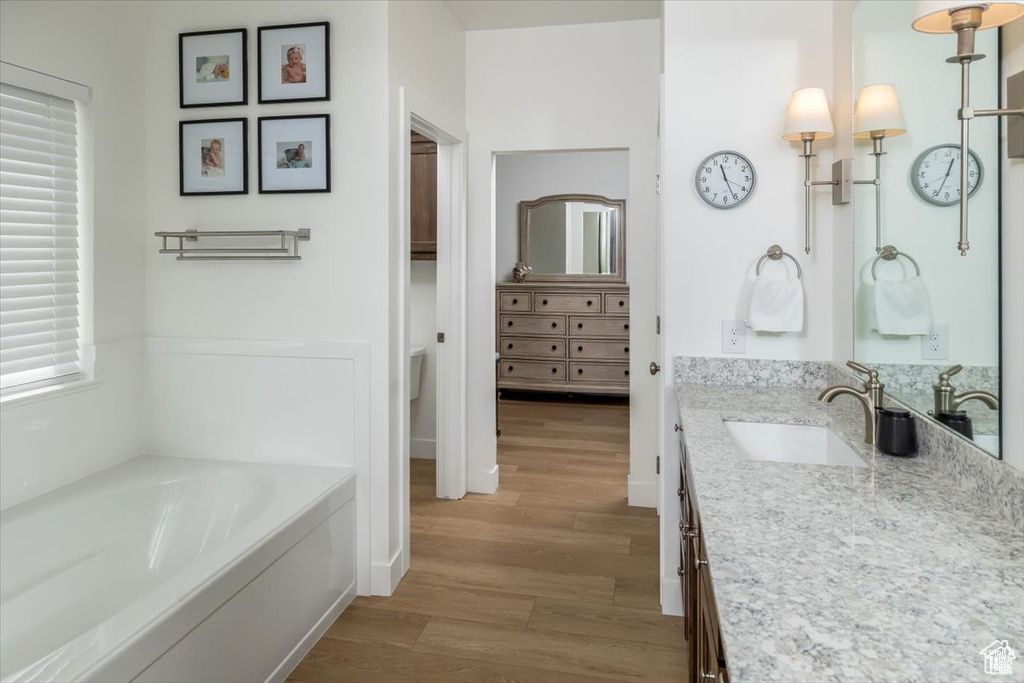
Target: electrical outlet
935, 346
734, 336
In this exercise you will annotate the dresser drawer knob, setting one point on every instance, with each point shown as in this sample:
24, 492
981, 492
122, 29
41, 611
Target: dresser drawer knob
554, 325
515, 301
626, 373
510, 346
511, 368
554, 371
579, 326
580, 349
554, 347
510, 323
625, 350
590, 303
621, 302
626, 326
544, 303
579, 371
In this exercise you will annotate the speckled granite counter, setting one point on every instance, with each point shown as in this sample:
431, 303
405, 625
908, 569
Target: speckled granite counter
890, 572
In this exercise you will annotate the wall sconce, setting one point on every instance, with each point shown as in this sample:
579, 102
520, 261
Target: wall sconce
964, 19
878, 116
808, 119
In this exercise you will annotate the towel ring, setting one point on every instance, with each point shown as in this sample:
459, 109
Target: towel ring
889, 253
775, 253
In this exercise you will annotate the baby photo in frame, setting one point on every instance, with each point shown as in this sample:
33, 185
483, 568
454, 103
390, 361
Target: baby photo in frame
213, 68
213, 157
295, 153
295, 64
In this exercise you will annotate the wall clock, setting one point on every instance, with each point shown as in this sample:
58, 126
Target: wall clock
725, 179
935, 174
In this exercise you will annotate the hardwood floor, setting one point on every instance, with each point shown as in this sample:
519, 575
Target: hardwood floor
554, 579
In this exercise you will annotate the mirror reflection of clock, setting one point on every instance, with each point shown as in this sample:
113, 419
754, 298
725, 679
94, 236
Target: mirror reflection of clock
725, 179
935, 174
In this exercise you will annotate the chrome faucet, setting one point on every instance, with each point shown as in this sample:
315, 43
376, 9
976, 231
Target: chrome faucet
947, 400
870, 398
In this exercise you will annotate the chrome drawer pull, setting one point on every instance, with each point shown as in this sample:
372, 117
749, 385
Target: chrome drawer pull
707, 676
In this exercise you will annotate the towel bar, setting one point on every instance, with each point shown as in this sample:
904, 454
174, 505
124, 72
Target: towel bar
889, 253
279, 253
775, 253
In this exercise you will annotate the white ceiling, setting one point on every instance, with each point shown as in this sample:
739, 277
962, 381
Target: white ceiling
479, 15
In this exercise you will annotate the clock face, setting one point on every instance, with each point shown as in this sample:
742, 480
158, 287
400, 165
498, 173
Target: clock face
936, 175
725, 179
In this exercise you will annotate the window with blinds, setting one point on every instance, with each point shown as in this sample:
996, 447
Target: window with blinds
38, 240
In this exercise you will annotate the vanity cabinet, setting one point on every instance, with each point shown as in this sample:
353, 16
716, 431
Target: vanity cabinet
423, 198
704, 647
568, 337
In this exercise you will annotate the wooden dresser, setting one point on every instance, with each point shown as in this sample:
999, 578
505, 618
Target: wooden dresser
571, 338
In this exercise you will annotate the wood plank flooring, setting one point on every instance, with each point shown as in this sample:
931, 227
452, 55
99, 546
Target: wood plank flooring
553, 579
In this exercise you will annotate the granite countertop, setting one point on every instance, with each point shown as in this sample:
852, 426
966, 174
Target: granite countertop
889, 572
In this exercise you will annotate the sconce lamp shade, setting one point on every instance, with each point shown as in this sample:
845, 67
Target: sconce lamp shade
878, 112
932, 16
808, 113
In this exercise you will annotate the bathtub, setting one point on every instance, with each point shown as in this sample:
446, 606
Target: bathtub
175, 569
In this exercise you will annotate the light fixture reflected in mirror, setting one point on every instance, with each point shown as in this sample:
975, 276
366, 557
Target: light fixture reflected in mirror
877, 116
964, 19
808, 119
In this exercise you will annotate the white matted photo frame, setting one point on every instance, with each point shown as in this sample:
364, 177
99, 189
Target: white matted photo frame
213, 68
213, 157
295, 153
294, 63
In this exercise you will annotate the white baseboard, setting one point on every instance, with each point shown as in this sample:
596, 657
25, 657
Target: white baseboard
482, 481
385, 576
310, 639
642, 494
671, 597
423, 449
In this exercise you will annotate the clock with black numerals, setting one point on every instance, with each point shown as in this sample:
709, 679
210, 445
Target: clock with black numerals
725, 179
935, 174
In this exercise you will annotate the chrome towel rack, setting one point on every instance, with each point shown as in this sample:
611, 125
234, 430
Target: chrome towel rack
775, 253
284, 252
889, 253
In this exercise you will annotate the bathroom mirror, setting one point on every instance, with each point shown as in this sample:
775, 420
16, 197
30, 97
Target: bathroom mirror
912, 328
573, 237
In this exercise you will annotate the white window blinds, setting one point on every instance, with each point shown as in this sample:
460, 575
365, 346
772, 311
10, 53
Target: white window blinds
38, 239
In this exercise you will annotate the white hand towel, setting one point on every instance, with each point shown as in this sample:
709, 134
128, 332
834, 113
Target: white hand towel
776, 305
902, 307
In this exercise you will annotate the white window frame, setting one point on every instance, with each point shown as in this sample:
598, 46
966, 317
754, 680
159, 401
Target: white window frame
82, 95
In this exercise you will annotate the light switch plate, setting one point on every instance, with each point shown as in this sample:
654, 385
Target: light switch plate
734, 336
935, 346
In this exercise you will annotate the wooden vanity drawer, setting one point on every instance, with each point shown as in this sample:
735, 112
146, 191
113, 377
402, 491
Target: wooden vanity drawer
599, 350
529, 369
567, 303
599, 327
516, 302
533, 324
598, 372
521, 346
616, 303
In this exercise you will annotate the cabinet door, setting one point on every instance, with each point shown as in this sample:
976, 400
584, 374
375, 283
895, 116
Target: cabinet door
423, 201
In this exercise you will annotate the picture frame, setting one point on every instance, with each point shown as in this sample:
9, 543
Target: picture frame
213, 157
213, 68
294, 63
295, 153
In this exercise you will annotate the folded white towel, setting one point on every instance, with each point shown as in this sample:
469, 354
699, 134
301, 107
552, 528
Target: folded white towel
776, 305
902, 307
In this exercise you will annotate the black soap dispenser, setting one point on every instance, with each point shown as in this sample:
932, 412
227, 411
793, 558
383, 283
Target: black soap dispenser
896, 433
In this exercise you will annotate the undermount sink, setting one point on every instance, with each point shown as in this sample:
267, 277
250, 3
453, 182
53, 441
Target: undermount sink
799, 444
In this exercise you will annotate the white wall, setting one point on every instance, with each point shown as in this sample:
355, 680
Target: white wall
422, 332
520, 177
963, 291
532, 90
48, 443
1012, 397
771, 49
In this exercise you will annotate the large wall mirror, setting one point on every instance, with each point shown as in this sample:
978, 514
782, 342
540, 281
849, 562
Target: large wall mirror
921, 308
569, 236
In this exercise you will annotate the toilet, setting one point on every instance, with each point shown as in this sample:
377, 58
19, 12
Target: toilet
416, 354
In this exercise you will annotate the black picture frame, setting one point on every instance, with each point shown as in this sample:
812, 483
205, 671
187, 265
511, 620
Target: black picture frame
276, 178
235, 154
272, 40
190, 85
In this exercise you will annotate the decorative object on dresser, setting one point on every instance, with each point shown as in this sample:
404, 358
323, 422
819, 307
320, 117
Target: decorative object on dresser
573, 238
569, 337
423, 198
